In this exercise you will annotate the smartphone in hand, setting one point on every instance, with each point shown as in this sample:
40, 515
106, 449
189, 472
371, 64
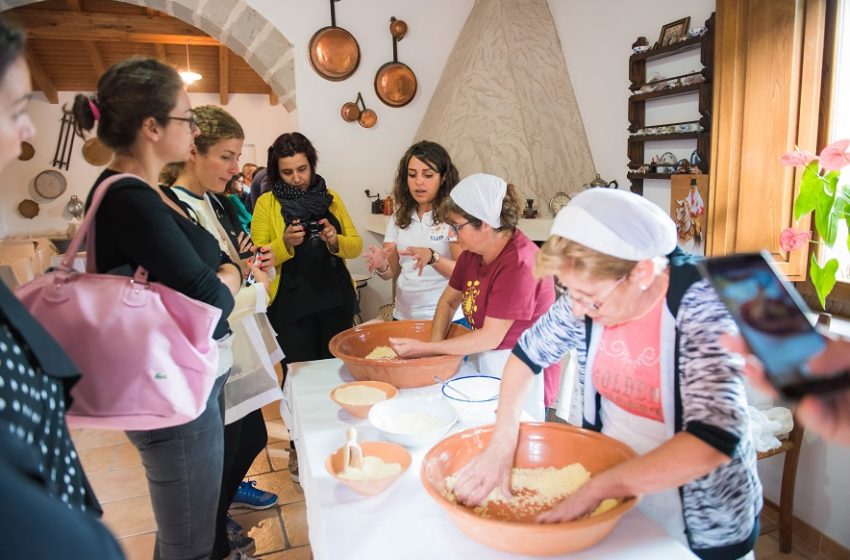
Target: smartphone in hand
772, 318
249, 280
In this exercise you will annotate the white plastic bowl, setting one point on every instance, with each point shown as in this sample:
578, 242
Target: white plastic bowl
392, 419
483, 393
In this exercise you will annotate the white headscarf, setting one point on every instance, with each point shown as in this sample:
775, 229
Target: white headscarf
617, 223
481, 195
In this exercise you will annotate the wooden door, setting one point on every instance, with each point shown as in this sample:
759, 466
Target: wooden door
768, 58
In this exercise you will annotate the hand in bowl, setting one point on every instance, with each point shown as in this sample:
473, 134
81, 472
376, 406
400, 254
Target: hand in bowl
582, 503
410, 347
487, 470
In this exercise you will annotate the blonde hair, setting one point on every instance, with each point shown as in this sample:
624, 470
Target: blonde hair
559, 252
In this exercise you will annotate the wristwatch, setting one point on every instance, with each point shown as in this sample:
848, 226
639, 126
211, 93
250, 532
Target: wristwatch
435, 257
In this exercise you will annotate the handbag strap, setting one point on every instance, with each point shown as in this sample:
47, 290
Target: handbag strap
86, 231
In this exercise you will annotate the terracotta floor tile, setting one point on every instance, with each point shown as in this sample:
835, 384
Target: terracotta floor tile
831, 549
119, 484
130, 517
793, 555
260, 465
295, 523
96, 459
279, 455
264, 527
766, 545
277, 431
281, 484
299, 553
89, 437
272, 411
139, 547
125, 455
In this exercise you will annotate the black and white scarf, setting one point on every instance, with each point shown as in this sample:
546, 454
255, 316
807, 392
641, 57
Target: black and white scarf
296, 204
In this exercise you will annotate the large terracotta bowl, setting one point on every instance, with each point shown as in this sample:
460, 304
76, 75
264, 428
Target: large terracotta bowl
540, 445
352, 346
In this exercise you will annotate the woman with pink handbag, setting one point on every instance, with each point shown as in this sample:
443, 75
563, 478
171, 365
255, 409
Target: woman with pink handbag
41, 478
143, 113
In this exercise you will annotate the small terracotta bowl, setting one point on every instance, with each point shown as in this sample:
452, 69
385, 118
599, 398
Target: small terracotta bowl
386, 451
362, 410
540, 445
352, 345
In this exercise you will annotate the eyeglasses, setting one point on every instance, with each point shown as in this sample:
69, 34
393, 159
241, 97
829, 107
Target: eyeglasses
587, 302
193, 123
456, 227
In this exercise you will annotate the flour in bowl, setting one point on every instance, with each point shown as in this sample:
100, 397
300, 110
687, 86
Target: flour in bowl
382, 353
374, 468
413, 423
359, 395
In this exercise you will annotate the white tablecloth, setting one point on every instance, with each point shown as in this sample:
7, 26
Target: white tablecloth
404, 523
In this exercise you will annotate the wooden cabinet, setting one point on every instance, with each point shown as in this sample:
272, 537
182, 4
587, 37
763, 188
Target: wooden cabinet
692, 83
767, 84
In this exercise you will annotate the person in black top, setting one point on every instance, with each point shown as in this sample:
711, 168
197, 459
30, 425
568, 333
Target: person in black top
49, 509
143, 114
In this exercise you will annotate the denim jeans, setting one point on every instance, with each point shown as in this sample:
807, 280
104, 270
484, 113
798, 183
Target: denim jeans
183, 466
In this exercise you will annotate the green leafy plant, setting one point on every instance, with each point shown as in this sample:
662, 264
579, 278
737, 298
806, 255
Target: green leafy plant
821, 193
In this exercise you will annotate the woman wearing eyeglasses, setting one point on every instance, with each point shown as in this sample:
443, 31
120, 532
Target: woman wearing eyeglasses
419, 251
143, 113
652, 374
492, 282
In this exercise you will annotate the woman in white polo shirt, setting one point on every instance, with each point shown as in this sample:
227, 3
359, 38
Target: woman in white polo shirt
419, 249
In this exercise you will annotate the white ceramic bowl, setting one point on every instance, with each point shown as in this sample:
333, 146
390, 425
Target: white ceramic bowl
413, 421
483, 393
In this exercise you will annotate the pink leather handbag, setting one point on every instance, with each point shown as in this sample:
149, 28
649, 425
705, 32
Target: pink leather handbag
146, 352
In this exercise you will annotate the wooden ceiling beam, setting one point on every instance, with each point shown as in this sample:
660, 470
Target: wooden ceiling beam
160, 52
40, 78
223, 71
128, 28
90, 47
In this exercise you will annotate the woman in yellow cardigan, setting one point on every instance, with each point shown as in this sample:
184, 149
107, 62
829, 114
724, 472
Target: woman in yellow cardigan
309, 230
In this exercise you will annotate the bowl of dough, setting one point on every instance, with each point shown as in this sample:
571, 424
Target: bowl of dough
413, 421
383, 464
551, 462
366, 352
358, 397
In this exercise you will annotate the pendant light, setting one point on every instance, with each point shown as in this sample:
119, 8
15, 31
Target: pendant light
188, 76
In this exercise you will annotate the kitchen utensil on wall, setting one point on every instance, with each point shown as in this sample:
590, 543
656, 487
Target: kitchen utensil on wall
50, 184
75, 207
65, 144
368, 118
28, 208
96, 152
377, 203
334, 52
350, 110
27, 151
395, 82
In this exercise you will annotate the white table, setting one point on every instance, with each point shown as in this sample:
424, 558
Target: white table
404, 522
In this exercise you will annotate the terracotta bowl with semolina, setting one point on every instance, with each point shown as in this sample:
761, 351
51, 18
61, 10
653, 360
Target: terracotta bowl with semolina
376, 482
358, 397
353, 345
511, 527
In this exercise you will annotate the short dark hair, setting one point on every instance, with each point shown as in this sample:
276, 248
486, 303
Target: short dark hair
127, 94
287, 145
12, 41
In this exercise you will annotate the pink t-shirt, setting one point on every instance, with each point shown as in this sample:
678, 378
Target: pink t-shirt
626, 369
503, 289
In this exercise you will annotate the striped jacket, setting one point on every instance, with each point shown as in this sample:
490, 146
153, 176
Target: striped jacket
702, 394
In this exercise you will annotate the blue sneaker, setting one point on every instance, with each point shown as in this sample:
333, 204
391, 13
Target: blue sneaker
250, 497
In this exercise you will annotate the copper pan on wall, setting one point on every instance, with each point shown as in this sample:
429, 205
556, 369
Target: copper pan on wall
334, 52
395, 82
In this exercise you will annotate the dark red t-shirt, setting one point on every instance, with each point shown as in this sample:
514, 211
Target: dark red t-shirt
503, 289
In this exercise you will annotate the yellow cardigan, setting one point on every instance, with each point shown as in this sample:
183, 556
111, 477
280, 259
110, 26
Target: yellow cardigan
268, 226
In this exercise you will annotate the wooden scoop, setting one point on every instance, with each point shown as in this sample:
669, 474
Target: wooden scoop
352, 453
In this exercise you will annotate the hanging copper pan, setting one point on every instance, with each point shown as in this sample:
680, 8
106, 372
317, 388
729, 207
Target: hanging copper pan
334, 52
395, 82
96, 152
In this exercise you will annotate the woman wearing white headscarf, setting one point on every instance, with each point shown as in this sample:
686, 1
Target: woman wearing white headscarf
493, 281
646, 327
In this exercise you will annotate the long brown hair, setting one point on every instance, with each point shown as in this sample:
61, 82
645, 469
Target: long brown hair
438, 160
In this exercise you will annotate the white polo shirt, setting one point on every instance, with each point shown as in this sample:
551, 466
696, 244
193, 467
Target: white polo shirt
417, 296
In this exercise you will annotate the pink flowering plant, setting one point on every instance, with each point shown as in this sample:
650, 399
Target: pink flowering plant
820, 193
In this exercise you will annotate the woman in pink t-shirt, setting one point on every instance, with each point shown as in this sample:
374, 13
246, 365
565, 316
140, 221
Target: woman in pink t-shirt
493, 282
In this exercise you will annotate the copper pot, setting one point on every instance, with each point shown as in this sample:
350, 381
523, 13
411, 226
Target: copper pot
398, 28
350, 111
395, 82
368, 118
96, 152
334, 52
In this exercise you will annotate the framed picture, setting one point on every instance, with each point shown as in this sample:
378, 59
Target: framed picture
674, 32
688, 197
